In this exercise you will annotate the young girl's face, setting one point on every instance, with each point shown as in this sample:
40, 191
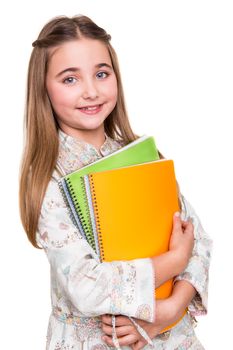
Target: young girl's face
81, 85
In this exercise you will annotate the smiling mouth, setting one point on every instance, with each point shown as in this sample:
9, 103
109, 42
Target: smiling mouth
90, 108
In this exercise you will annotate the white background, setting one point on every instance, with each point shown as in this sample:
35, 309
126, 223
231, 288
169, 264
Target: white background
176, 61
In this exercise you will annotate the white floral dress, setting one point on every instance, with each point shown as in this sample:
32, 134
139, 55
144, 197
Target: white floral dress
82, 289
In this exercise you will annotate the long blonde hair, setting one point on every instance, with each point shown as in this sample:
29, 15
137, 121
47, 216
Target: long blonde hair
41, 130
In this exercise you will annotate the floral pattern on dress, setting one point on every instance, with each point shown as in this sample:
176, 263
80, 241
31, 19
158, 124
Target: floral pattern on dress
143, 312
82, 289
99, 347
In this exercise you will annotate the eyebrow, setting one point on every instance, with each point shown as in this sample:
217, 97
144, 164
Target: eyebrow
76, 69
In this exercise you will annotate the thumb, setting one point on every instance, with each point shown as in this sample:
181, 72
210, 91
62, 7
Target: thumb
188, 227
141, 344
177, 221
138, 345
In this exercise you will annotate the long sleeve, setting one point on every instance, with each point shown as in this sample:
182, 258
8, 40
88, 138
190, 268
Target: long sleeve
197, 270
80, 283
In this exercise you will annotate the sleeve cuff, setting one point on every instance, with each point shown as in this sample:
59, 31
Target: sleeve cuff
198, 305
133, 289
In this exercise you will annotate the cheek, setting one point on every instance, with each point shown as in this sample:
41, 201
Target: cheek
59, 96
112, 90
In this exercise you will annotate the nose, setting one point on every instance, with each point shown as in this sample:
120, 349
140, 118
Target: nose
90, 90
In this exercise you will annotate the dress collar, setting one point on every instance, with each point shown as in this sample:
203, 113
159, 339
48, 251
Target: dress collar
75, 153
73, 141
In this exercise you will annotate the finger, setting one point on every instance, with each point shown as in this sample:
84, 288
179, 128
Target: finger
107, 319
128, 339
139, 345
120, 331
123, 341
176, 221
119, 320
125, 330
107, 329
186, 222
189, 227
107, 340
133, 346
123, 321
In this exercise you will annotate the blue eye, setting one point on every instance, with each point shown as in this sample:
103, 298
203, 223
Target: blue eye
102, 75
70, 80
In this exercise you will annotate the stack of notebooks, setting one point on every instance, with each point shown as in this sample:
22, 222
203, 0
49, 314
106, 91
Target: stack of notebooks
73, 188
124, 203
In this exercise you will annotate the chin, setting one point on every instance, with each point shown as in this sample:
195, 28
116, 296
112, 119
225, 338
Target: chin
93, 124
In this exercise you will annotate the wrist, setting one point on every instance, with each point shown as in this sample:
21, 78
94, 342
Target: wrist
166, 315
176, 308
178, 261
166, 267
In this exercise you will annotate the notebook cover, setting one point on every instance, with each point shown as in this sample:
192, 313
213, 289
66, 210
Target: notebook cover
141, 150
134, 208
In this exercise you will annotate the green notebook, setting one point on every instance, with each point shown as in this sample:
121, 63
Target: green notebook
72, 186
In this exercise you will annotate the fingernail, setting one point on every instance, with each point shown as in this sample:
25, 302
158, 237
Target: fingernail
177, 214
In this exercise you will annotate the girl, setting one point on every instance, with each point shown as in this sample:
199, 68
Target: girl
75, 114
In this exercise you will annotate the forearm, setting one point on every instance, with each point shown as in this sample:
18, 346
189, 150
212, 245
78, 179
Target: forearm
197, 270
173, 262
182, 294
168, 311
165, 267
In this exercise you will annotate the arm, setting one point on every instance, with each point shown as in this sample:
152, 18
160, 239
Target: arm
79, 280
190, 288
197, 271
182, 294
167, 312
80, 283
173, 262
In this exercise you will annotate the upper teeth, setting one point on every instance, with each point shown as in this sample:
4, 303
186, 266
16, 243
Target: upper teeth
90, 108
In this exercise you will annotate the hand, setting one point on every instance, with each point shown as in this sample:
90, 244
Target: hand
128, 335
182, 240
167, 313
173, 262
125, 330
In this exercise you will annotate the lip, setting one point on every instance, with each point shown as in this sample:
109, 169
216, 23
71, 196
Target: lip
97, 109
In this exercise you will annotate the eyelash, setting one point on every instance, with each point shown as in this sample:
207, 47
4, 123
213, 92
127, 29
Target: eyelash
102, 72
66, 80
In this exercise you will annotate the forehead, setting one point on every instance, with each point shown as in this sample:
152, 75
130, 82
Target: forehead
81, 52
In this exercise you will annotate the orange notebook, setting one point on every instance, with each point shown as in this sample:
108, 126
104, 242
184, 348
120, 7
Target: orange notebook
133, 211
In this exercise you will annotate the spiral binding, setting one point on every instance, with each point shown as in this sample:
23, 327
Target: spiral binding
91, 213
85, 226
61, 185
98, 226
